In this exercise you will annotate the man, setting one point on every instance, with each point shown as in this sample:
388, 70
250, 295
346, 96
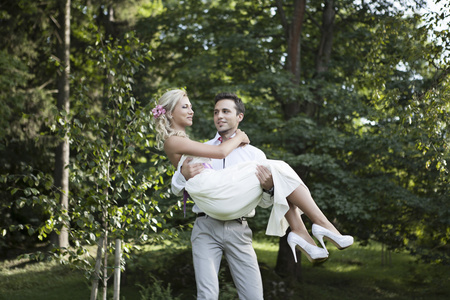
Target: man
213, 238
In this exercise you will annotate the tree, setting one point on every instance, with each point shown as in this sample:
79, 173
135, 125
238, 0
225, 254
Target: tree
62, 152
110, 202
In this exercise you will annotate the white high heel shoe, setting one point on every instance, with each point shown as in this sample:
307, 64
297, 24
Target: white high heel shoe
340, 241
313, 253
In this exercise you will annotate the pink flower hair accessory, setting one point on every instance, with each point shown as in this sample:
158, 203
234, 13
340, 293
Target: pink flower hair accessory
158, 111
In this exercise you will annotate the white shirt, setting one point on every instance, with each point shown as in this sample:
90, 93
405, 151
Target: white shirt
238, 155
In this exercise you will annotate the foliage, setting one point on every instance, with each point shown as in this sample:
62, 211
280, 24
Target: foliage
113, 195
25, 106
374, 150
116, 190
365, 166
157, 292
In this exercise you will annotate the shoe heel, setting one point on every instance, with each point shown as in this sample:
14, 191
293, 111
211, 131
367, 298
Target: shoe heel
340, 241
320, 239
312, 252
292, 245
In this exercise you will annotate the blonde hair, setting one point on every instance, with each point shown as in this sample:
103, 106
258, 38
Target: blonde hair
163, 123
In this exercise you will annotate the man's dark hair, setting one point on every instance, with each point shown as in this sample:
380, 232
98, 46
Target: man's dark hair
240, 108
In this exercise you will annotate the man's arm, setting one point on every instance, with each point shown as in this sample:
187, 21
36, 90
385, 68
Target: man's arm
187, 171
178, 183
265, 178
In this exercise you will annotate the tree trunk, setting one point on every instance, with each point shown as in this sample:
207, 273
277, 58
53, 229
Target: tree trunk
117, 258
294, 38
323, 53
293, 35
105, 267
62, 153
98, 265
285, 261
326, 40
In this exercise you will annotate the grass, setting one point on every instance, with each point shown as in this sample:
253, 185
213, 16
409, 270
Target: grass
355, 273
358, 273
40, 281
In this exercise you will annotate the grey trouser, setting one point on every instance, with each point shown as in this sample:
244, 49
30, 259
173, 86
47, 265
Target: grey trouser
210, 239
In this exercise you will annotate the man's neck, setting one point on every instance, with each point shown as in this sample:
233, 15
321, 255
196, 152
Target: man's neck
227, 135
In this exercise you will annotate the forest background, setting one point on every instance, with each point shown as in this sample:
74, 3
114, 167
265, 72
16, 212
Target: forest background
354, 95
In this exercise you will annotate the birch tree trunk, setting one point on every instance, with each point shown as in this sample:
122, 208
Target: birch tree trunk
62, 153
117, 258
98, 265
105, 266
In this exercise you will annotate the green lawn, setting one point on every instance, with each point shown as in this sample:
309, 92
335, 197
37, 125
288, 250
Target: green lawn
355, 273
358, 273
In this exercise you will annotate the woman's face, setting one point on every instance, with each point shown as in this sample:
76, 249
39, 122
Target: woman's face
182, 114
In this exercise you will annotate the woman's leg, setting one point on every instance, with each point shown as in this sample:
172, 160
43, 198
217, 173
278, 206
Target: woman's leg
296, 223
301, 197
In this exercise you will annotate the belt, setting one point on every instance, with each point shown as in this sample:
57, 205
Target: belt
240, 220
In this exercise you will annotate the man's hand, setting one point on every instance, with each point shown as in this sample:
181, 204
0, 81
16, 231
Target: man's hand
191, 170
265, 177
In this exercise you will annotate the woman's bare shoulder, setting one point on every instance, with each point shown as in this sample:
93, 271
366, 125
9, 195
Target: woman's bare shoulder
171, 147
174, 142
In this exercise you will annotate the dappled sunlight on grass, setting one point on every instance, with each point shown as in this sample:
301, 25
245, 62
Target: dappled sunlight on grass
41, 280
263, 245
343, 269
365, 272
266, 252
353, 273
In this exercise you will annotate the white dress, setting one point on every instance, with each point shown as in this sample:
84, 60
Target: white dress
235, 191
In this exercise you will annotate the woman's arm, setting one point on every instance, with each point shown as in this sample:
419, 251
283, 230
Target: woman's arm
176, 145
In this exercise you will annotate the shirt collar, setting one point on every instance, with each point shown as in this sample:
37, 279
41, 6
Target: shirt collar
215, 140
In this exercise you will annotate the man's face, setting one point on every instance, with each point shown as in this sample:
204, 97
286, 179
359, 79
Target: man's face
225, 117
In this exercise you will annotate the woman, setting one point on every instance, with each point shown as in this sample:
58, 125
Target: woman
233, 192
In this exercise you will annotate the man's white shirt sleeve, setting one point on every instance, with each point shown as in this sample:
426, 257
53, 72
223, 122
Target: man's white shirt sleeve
178, 183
